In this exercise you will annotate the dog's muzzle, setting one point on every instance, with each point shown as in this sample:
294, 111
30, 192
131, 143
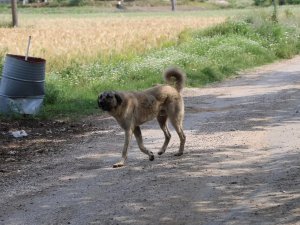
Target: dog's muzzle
104, 105
100, 102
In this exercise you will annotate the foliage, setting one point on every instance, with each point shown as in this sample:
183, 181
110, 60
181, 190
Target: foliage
52, 93
261, 2
293, 2
5, 24
240, 3
280, 2
2, 54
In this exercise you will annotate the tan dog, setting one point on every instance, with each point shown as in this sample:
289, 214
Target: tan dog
131, 109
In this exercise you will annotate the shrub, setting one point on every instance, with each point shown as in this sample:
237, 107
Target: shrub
262, 2
52, 94
280, 2
293, 2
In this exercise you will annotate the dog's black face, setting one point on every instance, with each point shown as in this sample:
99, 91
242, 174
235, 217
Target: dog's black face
109, 100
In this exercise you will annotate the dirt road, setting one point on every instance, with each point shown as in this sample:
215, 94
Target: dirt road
241, 164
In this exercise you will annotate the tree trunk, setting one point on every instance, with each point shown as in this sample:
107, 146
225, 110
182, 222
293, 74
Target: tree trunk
274, 16
173, 2
14, 13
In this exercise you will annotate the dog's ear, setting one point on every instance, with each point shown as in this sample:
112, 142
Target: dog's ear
118, 98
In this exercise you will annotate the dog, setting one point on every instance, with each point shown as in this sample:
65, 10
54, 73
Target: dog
163, 102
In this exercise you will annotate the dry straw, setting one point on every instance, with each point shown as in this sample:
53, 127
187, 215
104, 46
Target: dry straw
65, 40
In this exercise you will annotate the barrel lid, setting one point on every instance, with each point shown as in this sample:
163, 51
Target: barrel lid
29, 59
22, 97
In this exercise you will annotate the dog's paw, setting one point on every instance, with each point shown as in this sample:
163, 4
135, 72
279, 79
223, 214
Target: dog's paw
178, 154
160, 152
151, 157
117, 165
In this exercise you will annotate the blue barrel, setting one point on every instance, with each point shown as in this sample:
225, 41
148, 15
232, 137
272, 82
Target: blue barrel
21, 78
22, 87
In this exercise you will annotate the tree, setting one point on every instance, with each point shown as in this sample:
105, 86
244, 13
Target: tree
173, 2
14, 13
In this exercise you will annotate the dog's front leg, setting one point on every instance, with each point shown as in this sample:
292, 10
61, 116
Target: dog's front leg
138, 135
128, 135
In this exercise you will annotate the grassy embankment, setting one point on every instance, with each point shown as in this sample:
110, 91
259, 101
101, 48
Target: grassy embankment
207, 55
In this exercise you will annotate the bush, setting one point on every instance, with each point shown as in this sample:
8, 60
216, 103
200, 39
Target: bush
293, 2
280, 2
52, 94
262, 2
76, 2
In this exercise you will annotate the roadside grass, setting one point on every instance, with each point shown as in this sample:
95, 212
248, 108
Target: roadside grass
206, 55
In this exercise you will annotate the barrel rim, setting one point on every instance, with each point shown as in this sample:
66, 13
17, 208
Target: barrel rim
22, 97
29, 59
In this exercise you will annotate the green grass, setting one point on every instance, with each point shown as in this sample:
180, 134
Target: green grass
207, 56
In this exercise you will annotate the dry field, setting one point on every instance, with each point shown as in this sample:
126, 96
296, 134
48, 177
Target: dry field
62, 41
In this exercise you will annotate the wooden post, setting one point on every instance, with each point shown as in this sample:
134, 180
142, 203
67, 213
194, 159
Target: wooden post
14, 13
27, 50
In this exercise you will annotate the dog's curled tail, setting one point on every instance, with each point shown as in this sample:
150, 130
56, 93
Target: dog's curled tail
175, 77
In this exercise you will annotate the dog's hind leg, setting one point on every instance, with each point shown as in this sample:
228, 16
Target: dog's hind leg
162, 120
138, 135
128, 135
177, 123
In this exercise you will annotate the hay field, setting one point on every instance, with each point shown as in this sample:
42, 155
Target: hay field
63, 41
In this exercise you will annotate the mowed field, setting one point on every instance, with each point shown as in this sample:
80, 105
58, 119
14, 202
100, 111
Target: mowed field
66, 39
